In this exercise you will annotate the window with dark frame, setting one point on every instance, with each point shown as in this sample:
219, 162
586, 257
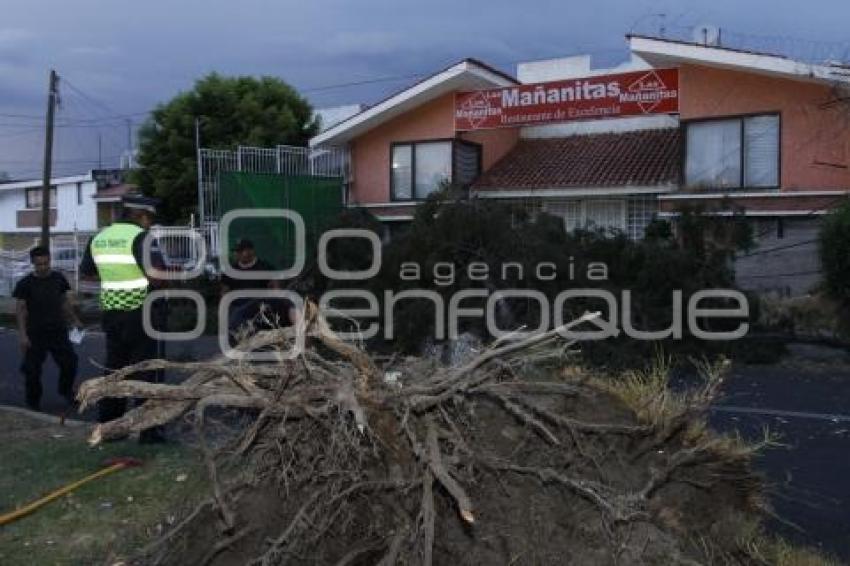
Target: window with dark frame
33, 197
741, 152
419, 168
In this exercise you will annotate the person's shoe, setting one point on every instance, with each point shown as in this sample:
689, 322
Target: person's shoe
152, 436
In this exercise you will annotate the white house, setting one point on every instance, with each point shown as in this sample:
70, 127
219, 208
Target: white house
72, 208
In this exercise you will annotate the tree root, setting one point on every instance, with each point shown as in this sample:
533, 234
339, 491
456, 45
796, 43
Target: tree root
334, 437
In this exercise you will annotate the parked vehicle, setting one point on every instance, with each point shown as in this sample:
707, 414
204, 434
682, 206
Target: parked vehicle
65, 259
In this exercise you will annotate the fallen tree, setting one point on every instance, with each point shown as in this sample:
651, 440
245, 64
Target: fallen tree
350, 460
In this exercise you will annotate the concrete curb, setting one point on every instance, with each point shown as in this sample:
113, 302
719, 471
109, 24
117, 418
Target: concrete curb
43, 417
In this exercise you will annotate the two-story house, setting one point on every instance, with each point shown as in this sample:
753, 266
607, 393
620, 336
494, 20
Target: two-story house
78, 204
679, 124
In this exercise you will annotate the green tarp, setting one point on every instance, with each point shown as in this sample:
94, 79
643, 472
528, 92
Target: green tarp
317, 199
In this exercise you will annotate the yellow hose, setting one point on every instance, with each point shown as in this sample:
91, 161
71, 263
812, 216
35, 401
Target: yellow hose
24, 511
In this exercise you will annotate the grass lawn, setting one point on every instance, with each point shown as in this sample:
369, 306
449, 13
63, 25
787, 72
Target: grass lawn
103, 521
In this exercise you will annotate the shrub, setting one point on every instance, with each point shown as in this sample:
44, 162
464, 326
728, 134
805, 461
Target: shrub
834, 247
450, 232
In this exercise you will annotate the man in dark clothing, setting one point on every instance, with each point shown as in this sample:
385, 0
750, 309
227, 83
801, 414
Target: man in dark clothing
115, 256
245, 310
43, 313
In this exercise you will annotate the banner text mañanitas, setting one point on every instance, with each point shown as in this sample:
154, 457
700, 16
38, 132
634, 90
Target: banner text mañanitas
652, 91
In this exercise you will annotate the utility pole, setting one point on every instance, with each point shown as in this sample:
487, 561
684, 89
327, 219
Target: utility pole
129, 136
48, 159
99, 151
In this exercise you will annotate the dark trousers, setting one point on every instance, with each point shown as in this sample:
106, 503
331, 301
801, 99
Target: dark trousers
57, 344
127, 343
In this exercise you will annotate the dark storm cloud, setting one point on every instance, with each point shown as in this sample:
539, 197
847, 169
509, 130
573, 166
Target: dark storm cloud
128, 56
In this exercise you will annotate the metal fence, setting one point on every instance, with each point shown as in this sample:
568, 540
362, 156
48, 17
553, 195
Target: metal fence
66, 251
14, 265
281, 160
180, 245
836, 53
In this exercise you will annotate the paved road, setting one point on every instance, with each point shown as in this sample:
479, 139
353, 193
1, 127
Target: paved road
805, 399
806, 402
91, 354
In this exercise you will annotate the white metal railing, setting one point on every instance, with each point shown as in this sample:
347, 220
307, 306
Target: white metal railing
14, 265
803, 50
180, 246
66, 251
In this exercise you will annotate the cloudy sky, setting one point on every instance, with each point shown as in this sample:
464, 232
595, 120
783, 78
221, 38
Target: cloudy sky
117, 59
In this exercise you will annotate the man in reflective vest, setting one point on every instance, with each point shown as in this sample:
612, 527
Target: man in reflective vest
115, 256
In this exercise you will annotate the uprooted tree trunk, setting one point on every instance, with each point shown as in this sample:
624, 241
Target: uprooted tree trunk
367, 468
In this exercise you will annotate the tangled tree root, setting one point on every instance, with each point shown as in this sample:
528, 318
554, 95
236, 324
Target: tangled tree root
343, 464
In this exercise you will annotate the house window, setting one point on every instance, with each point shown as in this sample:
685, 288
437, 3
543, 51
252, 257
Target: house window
419, 168
590, 214
79, 193
402, 167
33, 197
733, 153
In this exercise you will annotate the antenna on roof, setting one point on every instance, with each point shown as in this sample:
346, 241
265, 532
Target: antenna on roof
707, 35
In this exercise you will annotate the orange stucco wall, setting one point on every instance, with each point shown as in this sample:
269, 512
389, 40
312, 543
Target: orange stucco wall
494, 143
815, 146
370, 153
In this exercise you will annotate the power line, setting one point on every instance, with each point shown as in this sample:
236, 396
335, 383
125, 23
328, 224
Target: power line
363, 82
40, 119
32, 116
75, 160
86, 104
24, 132
778, 248
96, 114
792, 274
91, 99
411, 76
812, 211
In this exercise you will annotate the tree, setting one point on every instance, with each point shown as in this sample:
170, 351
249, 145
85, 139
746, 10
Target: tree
232, 111
450, 233
834, 240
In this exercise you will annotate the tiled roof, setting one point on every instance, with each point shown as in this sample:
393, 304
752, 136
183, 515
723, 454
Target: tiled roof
641, 158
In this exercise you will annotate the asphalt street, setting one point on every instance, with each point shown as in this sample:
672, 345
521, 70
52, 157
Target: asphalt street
91, 355
804, 398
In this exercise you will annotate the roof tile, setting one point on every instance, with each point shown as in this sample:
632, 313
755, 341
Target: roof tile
644, 158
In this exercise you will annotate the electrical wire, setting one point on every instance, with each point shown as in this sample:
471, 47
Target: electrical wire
792, 274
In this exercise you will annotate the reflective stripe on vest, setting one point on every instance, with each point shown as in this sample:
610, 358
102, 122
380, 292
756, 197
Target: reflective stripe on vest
140, 283
123, 285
